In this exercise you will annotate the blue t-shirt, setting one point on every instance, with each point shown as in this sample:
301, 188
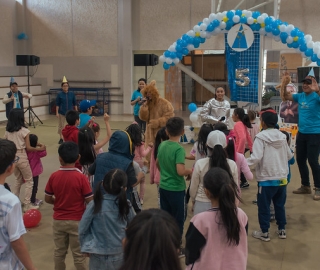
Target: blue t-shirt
84, 119
309, 112
136, 107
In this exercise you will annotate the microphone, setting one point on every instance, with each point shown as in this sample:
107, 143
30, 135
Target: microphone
222, 118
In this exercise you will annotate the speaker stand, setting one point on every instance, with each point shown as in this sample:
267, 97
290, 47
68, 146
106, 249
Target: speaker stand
146, 72
32, 114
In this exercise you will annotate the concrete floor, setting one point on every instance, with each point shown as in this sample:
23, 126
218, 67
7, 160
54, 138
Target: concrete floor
298, 251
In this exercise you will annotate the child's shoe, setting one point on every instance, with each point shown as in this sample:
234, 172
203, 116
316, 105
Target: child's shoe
244, 185
29, 206
38, 202
316, 195
281, 234
260, 235
302, 190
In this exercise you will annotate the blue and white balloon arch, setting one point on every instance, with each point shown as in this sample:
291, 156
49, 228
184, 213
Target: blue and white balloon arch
222, 22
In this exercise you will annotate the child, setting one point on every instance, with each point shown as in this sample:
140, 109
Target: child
17, 132
86, 107
13, 250
69, 198
154, 171
36, 167
242, 136
170, 160
96, 129
104, 222
217, 157
199, 149
223, 228
87, 144
151, 242
255, 127
136, 201
70, 131
140, 152
271, 154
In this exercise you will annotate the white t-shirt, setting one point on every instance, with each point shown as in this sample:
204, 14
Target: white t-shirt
11, 229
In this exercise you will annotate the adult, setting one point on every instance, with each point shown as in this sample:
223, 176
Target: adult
65, 101
308, 137
289, 109
216, 109
14, 99
154, 110
136, 101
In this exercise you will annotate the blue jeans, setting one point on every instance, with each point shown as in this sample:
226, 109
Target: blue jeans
141, 123
105, 262
174, 203
308, 148
278, 195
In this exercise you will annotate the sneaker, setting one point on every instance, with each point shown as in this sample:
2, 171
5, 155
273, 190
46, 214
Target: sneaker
182, 252
244, 185
281, 234
260, 235
141, 201
60, 141
302, 190
38, 202
316, 195
29, 206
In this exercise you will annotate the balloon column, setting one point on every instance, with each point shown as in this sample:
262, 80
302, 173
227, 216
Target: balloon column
259, 23
31, 218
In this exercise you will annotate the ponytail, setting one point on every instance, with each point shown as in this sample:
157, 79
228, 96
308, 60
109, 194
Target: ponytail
230, 149
123, 204
218, 158
223, 188
86, 141
160, 137
246, 121
244, 118
98, 198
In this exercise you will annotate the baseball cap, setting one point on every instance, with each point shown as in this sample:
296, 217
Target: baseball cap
307, 80
216, 137
86, 104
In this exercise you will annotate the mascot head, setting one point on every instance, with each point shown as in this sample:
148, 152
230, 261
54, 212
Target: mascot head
150, 92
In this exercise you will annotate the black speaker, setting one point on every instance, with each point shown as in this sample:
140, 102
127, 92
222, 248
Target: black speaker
27, 60
303, 72
145, 60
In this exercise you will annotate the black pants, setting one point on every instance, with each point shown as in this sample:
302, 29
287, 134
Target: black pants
34, 189
141, 123
242, 177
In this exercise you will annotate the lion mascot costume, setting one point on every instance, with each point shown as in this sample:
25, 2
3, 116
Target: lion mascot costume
155, 111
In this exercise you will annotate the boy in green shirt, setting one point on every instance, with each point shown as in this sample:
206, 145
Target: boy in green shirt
170, 161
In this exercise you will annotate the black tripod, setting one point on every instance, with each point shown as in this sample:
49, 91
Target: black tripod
32, 114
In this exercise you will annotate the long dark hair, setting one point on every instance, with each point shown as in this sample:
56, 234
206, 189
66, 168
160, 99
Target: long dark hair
152, 242
114, 183
160, 137
202, 138
135, 133
230, 149
218, 158
223, 188
244, 118
15, 120
86, 141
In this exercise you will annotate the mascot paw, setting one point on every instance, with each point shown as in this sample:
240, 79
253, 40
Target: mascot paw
154, 123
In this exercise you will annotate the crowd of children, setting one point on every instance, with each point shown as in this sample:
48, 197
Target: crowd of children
97, 214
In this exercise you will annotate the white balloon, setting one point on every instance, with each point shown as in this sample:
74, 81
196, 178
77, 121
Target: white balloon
290, 27
220, 16
308, 37
190, 47
264, 15
206, 21
191, 33
172, 49
250, 20
169, 61
209, 35
260, 19
217, 31
289, 39
249, 14
222, 25
196, 28
244, 12
236, 18
269, 34
262, 31
224, 13
316, 48
277, 38
176, 60
203, 27
203, 34
310, 44
162, 58
283, 28
212, 17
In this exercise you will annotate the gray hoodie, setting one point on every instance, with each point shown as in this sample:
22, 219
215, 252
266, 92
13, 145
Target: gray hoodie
270, 154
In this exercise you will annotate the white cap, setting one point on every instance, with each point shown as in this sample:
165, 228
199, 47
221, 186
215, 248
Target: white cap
216, 137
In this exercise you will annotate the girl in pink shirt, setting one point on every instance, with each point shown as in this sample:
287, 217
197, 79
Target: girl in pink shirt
36, 167
140, 152
217, 238
154, 171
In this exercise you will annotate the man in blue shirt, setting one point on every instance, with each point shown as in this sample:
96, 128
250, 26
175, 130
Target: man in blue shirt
136, 101
308, 137
65, 101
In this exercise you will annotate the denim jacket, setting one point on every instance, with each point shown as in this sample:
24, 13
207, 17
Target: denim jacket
102, 233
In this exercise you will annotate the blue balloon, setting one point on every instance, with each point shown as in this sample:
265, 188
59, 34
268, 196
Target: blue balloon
199, 23
268, 21
202, 40
294, 32
178, 48
268, 28
210, 27
295, 44
173, 55
314, 58
167, 54
238, 12
230, 14
284, 35
179, 55
179, 41
303, 47
275, 31
196, 45
309, 52
22, 35
290, 45
192, 107
255, 14
185, 37
216, 23
185, 51
277, 22
243, 19
165, 65
229, 25
318, 63
172, 64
